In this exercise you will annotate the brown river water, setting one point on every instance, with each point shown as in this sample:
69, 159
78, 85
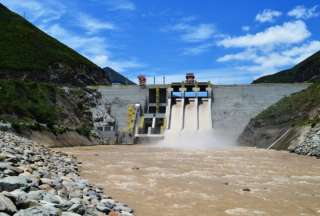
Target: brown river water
173, 182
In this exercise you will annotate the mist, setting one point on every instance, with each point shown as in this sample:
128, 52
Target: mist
197, 140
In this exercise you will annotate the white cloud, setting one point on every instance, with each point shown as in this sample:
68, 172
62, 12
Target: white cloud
299, 53
93, 47
93, 25
126, 5
301, 12
194, 33
90, 46
267, 15
246, 55
37, 11
197, 50
270, 62
245, 28
288, 33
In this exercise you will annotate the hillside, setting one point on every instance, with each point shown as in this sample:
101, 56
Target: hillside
306, 71
27, 53
298, 111
34, 106
116, 77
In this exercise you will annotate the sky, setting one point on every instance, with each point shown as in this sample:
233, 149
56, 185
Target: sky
225, 42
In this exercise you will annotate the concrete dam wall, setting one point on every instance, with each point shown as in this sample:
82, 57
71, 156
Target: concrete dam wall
118, 97
235, 105
232, 107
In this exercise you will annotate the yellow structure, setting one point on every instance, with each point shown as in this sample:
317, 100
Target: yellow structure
131, 117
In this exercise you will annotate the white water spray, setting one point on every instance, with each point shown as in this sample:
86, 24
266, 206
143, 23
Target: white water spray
191, 128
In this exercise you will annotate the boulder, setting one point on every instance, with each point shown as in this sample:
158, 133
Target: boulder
103, 208
11, 183
38, 211
6, 205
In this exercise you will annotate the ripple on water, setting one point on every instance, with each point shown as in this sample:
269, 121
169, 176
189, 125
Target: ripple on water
244, 212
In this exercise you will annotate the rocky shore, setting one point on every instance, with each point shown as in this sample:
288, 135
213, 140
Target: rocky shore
35, 180
311, 143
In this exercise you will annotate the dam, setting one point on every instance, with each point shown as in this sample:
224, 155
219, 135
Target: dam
147, 113
158, 180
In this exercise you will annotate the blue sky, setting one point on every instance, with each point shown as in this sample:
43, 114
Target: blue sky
226, 42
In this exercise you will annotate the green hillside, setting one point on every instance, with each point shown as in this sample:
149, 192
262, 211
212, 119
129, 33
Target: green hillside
306, 71
30, 54
39, 106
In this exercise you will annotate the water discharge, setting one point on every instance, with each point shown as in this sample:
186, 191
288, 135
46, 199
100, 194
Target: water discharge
191, 117
176, 116
191, 128
205, 121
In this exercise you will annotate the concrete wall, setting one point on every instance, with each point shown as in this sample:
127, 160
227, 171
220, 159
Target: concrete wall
235, 105
119, 97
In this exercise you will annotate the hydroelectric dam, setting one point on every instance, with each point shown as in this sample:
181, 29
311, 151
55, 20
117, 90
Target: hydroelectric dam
143, 114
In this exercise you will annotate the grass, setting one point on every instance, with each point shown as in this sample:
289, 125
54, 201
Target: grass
294, 109
25, 47
28, 101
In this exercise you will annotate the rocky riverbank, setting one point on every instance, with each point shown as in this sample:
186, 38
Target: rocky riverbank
311, 143
35, 180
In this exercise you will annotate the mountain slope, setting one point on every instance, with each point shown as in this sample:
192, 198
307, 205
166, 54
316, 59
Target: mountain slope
306, 71
27, 53
116, 77
40, 106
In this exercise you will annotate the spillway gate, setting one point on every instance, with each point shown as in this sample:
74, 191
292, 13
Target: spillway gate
183, 106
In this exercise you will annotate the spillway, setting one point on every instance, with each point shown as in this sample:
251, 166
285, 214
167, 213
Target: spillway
205, 121
191, 116
176, 117
188, 110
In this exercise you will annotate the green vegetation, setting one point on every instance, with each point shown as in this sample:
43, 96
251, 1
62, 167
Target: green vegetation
28, 102
295, 109
25, 47
35, 106
306, 71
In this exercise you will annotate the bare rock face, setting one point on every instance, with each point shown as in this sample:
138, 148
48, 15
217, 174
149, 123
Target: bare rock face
44, 182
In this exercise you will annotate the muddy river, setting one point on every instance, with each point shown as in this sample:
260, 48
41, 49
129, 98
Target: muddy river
173, 182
